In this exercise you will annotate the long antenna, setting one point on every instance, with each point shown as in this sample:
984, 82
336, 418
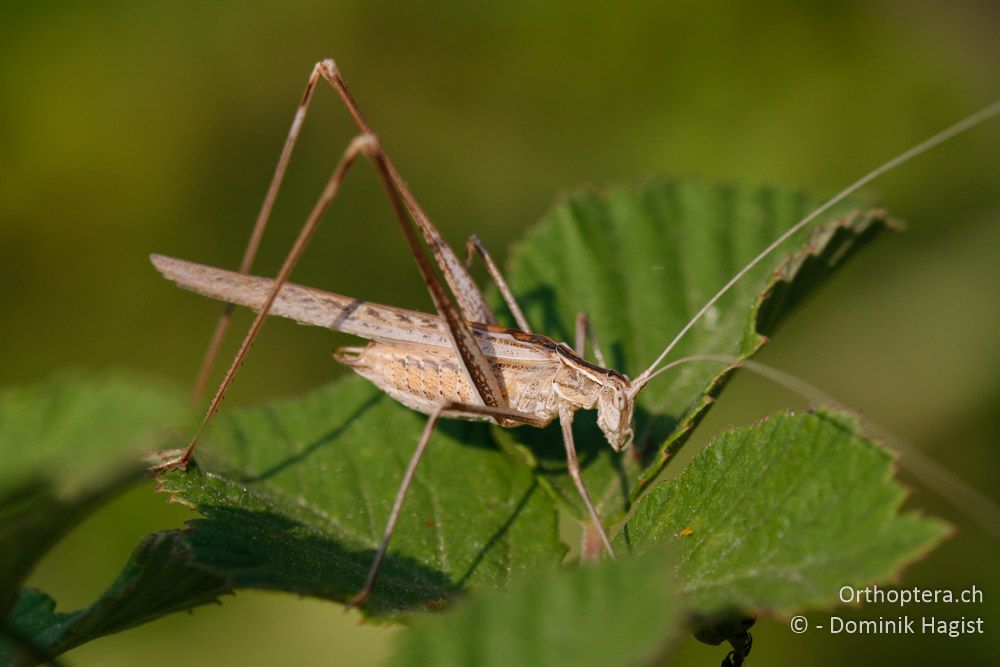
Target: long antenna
961, 126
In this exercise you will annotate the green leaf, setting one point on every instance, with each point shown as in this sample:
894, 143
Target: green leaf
67, 445
75, 428
641, 261
781, 515
296, 496
157, 580
623, 612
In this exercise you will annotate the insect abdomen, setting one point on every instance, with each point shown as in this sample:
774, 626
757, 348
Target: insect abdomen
422, 377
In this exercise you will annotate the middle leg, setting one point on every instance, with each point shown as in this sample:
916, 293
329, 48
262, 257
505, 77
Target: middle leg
474, 245
585, 332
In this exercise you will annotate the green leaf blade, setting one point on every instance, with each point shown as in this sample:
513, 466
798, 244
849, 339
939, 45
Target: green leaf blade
779, 516
67, 445
78, 429
158, 579
610, 613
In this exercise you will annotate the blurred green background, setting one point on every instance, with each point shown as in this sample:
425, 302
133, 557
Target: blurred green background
127, 128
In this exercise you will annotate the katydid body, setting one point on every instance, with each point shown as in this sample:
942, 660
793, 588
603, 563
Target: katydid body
456, 363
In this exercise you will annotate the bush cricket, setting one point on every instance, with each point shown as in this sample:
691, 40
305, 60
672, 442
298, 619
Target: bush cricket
458, 363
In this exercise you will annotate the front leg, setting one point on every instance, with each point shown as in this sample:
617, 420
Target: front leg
573, 464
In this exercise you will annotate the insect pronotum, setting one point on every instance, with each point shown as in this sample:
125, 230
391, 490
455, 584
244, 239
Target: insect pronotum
470, 367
